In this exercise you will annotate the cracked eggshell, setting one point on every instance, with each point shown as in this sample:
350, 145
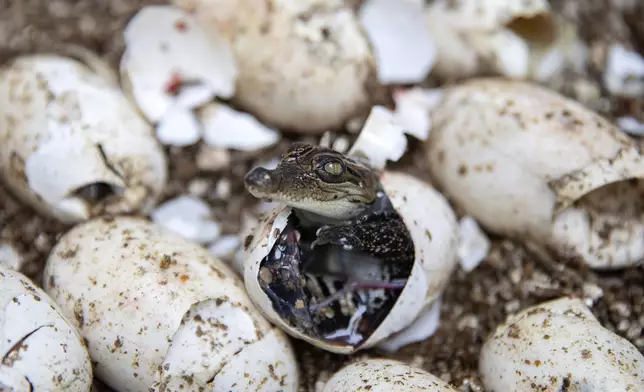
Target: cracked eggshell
434, 230
500, 36
559, 345
384, 375
304, 65
529, 163
166, 47
158, 311
40, 349
66, 131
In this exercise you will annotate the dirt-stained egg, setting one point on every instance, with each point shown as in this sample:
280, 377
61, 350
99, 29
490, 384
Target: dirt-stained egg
304, 65
40, 348
531, 164
161, 313
71, 144
559, 346
356, 281
384, 375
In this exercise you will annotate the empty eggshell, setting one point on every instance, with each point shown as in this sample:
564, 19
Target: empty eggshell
556, 346
503, 37
384, 375
529, 163
304, 65
71, 144
159, 312
434, 231
39, 347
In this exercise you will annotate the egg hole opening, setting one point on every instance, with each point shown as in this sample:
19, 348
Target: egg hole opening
605, 226
336, 282
539, 30
98, 192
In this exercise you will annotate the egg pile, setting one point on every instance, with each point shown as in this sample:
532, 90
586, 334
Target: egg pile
144, 293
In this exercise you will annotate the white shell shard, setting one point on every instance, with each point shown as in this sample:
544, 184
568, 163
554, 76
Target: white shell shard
558, 345
631, 125
40, 348
10, 257
384, 375
157, 310
188, 216
401, 40
66, 132
422, 328
434, 231
224, 127
504, 37
413, 107
529, 163
381, 139
171, 60
225, 246
474, 245
304, 65
178, 127
624, 72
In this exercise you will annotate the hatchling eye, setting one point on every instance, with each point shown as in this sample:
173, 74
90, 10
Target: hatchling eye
334, 168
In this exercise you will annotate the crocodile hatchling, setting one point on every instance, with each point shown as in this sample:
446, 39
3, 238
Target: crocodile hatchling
345, 230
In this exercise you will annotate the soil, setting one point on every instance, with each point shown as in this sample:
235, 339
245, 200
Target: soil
511, 278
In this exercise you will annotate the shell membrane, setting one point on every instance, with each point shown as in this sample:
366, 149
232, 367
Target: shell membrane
338, 282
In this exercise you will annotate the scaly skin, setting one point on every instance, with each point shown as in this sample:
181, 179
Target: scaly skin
318, 180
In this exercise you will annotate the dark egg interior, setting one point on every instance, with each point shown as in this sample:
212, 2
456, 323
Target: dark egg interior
338, 281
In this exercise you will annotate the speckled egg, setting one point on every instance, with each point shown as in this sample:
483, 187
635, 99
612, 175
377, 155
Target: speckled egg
531, 164
159, 312
304, 65
71, 144
384, 375
559, 346
40, 349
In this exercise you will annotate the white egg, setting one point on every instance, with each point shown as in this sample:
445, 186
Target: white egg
160, 312
434, 231
559, 345
384, 375
528, 163
71, 145
304, 65
40, 349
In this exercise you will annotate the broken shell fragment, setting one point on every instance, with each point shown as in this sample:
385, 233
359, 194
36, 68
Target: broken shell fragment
504, 37
171, 60
400, 38
71, 144
304, 66
559, 345
384, 375
529, 163
39, 347
224, 127
370, 317
188, 216
10, 257
624, 72
159, 312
